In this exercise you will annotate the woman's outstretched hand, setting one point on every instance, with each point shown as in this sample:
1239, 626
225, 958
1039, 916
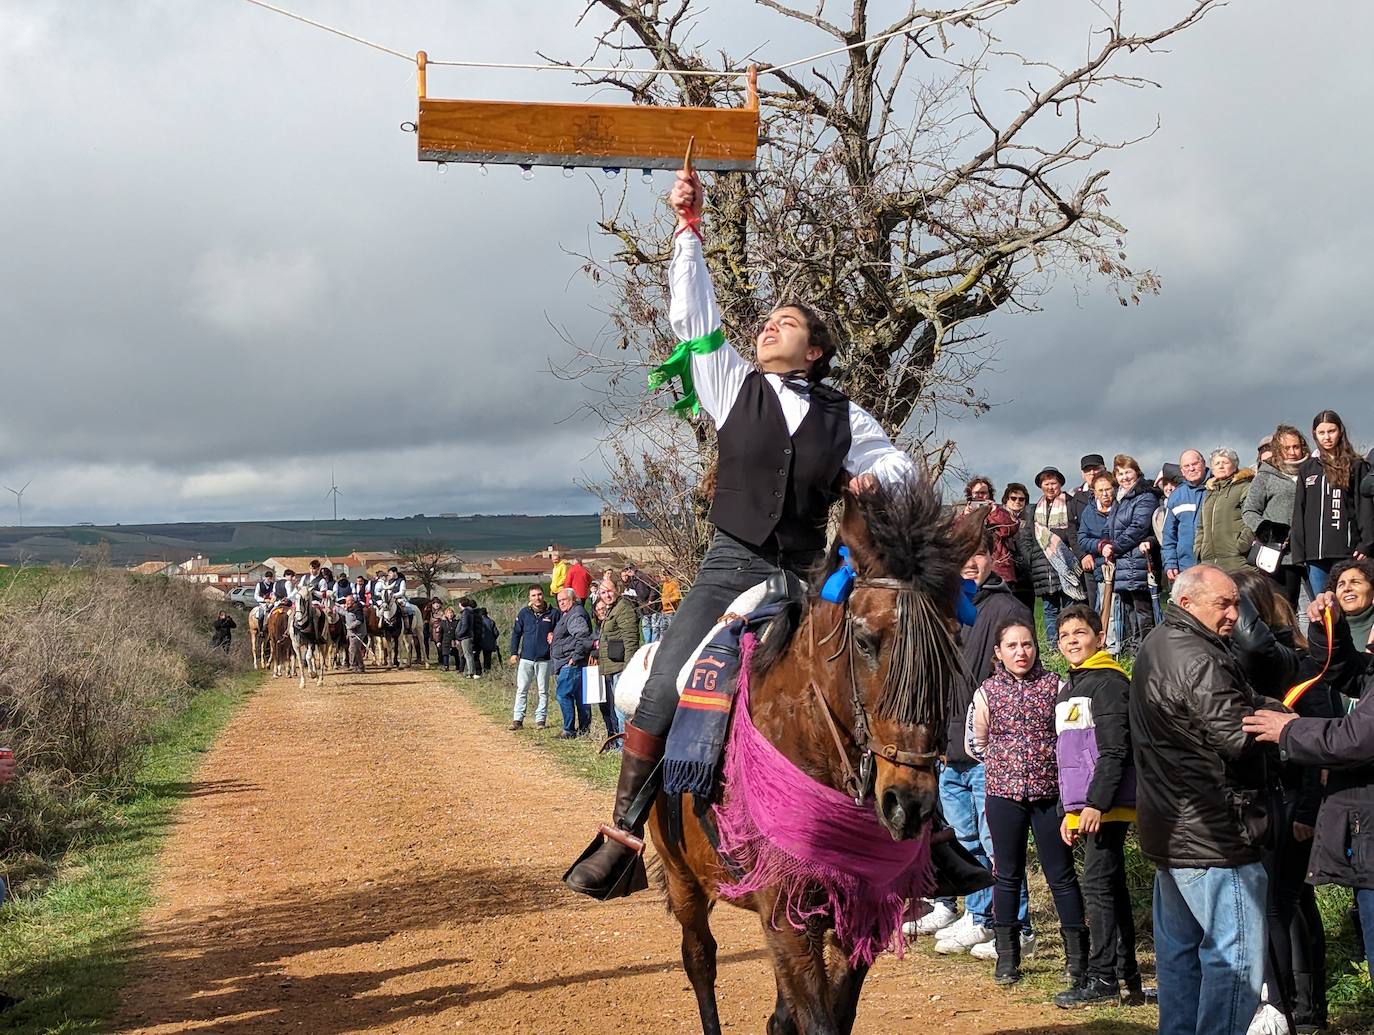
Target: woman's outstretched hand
686, 197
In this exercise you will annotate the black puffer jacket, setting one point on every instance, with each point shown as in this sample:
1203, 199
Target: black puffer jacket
1345, 747
995, 604
1270, 662
1274, 664
1203, 785
1028, 556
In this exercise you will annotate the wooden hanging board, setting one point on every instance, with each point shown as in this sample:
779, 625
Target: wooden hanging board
622, 136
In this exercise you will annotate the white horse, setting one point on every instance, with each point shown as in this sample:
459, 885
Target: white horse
308, 641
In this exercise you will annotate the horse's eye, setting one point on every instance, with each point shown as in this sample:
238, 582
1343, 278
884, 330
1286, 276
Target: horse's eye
867, 644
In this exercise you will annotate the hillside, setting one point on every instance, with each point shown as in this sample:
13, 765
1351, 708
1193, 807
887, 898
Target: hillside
232, 541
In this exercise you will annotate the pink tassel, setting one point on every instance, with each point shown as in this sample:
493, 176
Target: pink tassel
824, 855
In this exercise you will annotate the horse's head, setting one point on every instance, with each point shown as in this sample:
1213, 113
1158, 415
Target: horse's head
387, 605
883, 660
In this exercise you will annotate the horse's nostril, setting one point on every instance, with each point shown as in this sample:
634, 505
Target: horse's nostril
893, 808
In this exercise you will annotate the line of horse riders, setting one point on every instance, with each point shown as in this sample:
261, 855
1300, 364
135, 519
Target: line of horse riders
308, 624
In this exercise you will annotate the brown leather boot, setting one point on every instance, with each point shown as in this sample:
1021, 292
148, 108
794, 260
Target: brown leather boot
613, 864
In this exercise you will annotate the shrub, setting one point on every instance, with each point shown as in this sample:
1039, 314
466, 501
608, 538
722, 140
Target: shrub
92, 662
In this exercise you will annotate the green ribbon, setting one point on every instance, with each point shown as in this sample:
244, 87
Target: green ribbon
679, 365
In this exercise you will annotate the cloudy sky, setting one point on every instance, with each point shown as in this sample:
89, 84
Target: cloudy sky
222, 271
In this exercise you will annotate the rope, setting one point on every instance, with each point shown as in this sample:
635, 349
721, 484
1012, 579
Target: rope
611, 69
409, 58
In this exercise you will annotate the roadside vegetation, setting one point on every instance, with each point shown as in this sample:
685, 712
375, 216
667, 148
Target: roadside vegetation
109, 695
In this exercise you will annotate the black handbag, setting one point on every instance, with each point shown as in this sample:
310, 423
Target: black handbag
615, 650
1266, 552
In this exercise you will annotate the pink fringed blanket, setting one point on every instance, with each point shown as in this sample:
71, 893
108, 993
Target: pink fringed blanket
826, 855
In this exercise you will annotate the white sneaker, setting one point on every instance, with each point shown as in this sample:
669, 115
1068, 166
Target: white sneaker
939, 918
1268, 1021
988, 950
963, 941
964, 922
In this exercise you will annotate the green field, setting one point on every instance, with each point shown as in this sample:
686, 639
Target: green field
229, 542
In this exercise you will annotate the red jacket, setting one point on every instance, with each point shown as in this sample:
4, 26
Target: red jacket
579, 580
1003, 525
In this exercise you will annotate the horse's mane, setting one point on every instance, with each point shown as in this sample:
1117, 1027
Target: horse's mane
913, 539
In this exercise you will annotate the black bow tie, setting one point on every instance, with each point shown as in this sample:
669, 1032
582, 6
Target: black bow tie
796, 381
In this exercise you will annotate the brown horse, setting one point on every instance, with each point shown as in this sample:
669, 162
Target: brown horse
279, 651
854, 695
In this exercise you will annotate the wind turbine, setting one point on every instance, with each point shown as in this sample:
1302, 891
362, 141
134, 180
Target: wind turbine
333, 491
19, 499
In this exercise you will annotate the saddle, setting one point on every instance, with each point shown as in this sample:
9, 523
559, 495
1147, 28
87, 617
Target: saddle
781, 589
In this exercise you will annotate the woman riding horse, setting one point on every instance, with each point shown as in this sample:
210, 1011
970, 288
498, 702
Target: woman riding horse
787, 444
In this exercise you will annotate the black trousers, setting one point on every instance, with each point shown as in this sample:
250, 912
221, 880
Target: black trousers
1010, 822
1137, 614
1289, 578
729, 568
1111, 921
1297, 940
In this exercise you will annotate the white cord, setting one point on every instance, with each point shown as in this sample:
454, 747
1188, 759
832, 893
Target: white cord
337, 32
952, 16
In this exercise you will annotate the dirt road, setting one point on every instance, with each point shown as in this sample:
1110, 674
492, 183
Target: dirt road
376, 856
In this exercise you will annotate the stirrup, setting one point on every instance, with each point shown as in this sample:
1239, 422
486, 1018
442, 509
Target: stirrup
629, 874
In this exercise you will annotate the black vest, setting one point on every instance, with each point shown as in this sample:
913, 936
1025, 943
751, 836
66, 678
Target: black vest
771, 484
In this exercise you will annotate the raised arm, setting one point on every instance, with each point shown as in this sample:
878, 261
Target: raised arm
710, 369
872, 452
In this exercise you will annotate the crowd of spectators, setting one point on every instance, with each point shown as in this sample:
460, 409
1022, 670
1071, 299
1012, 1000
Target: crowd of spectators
585, 643
1242, 598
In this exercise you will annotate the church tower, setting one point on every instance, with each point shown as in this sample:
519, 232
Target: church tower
612, 524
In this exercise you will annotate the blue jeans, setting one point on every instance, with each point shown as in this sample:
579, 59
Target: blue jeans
1054, 603
1209, 948
963, 798
610, 715
1364, 898
1318, 575
576, 715
528, 671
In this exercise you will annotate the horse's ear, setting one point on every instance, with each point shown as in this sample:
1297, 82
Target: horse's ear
854, 534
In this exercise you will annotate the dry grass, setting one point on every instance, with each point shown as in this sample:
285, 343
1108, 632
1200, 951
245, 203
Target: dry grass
93, 662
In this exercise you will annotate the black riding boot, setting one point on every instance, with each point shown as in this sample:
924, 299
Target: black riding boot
957, 873
1008, 970
613, 864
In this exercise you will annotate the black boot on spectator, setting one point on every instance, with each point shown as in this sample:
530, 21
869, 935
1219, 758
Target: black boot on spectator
1090, 992
1075, 957
1135, 993
1008, 970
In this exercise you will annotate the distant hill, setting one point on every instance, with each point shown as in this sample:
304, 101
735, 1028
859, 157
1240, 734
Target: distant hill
226, 542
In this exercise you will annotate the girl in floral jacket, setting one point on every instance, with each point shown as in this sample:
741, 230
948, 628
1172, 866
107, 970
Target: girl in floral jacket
1011, 728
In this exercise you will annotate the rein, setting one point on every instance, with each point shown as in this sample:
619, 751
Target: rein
858, 784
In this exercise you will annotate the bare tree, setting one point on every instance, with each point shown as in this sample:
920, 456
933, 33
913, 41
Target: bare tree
890, 194
427, 560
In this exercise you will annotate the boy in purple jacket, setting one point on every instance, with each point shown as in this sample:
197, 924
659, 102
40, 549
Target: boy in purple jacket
1097, 793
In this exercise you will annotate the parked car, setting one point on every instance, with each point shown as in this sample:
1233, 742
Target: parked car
243, 595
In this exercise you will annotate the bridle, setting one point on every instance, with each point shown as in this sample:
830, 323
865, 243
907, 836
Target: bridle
859, 783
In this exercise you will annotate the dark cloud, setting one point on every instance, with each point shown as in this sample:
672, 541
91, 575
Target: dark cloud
221, 270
